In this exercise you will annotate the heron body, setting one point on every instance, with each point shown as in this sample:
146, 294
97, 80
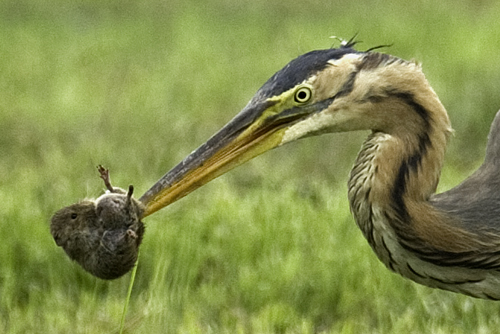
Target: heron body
449, 241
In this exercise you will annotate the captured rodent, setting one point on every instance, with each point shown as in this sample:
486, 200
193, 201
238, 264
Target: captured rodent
102, 235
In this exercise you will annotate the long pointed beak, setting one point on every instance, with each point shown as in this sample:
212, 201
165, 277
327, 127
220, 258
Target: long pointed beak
255, 130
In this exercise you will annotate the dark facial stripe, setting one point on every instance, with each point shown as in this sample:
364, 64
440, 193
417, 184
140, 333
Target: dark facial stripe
348, 85
300, 111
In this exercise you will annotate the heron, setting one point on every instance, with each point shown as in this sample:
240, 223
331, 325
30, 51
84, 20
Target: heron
449, 240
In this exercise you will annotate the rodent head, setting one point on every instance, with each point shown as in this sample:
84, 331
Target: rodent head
71, 225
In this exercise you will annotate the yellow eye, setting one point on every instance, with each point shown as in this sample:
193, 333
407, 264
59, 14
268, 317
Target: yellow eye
302, 95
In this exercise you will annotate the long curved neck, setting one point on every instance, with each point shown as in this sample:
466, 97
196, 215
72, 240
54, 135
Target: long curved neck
405, 158
399, 165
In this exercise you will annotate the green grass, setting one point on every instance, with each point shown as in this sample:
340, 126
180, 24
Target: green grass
268, 248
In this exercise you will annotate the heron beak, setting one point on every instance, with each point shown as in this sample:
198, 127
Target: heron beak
259, 127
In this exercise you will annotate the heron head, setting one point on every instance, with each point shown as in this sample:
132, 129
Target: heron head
315, 93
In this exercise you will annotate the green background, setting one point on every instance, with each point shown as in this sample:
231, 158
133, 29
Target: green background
268, 248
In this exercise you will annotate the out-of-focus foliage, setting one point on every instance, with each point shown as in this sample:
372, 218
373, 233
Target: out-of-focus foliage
268, 248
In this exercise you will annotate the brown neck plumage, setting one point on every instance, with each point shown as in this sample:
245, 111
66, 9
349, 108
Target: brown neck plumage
399, 164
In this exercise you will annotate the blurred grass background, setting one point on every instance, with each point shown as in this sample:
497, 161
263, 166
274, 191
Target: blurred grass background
268, 248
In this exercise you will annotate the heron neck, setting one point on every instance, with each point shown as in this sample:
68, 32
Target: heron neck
399, 165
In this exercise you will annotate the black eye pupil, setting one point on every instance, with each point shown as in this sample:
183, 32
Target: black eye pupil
303, 95
74, 215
